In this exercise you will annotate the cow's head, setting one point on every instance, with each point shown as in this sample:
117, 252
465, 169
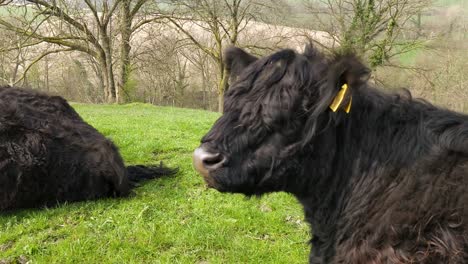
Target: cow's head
273, 111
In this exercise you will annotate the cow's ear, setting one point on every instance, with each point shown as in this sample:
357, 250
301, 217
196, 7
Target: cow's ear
347, 69
312, 53
236, 60
345, 74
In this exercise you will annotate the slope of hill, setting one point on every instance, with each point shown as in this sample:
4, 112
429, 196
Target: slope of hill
170, 220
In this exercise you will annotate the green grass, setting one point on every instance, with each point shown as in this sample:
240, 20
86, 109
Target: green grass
169, 220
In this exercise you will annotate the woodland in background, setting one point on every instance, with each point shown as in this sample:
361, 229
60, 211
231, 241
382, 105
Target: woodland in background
170, 52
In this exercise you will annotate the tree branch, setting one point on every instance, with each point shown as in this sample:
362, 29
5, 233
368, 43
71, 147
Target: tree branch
37, 60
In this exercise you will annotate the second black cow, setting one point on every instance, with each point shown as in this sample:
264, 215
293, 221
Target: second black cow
48, 154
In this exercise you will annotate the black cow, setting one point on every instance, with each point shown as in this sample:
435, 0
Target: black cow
383, 178
48, 154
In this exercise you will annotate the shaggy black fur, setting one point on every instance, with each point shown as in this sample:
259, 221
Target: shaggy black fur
386, 183
48, 154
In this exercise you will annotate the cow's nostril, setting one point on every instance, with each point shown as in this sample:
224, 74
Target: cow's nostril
210, 161
204, 161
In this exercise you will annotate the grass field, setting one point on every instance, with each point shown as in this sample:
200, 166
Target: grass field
169, 220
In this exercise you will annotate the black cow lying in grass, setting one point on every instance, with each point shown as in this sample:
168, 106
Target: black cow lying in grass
385, 183
48, 154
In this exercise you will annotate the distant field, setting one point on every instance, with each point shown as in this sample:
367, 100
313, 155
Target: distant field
442, 2
452, 2
170, 220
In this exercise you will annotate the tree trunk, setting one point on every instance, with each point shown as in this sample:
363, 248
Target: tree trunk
46, 72
204, 85
125, 48
101, 60
223, 86
100, 76
13, 75
113, 95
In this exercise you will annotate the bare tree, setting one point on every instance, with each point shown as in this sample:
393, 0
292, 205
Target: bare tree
19, 51
201, 62
156, 68
66, 24
86, 27
133, 16
372, 28
213, 24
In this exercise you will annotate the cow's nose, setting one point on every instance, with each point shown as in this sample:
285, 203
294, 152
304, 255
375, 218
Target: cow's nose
205, 161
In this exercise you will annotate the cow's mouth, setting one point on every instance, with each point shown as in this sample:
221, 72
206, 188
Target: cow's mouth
206, 163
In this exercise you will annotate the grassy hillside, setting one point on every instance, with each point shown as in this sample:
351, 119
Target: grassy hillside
463, 3
170, 220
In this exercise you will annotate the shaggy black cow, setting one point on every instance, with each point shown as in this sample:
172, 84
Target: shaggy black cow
48, 154
383, 178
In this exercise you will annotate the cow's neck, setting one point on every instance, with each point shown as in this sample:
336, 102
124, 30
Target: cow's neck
372, 140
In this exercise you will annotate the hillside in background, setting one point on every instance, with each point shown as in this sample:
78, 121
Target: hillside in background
169, 69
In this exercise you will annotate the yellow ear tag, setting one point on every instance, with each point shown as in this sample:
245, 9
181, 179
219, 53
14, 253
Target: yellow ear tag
348, 107
339, 98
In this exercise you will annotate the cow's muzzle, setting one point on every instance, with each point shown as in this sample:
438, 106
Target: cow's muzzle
205, 161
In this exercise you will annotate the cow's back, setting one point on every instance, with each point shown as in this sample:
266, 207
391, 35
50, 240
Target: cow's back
49, 154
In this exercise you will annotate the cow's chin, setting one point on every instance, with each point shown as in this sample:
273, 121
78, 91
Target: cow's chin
227, 180
213, 180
